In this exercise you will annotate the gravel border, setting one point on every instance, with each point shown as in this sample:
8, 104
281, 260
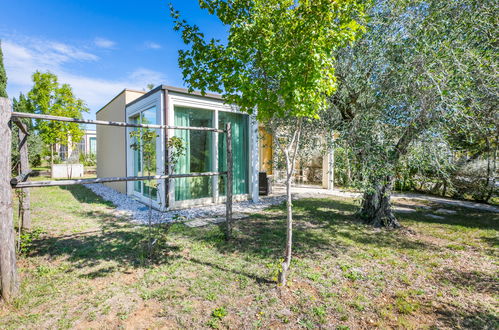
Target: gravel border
127, 206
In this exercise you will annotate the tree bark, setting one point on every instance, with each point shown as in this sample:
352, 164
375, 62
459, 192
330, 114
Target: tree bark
290, 168
52, 146
349, 172
9, 277
376, 206
289, 225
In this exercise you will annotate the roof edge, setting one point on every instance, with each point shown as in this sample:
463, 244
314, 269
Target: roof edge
114, 98
176, 90
186, 91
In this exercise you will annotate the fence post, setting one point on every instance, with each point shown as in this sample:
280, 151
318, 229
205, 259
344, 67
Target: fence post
24, 168
228, 137
9, 278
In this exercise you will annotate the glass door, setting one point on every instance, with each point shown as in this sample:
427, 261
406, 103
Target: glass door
240, 152
198, 154
144, 154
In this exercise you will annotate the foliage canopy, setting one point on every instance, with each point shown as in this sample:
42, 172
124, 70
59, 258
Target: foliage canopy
278, 56
50, 98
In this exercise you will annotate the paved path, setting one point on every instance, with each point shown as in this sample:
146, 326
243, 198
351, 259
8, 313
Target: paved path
303, 191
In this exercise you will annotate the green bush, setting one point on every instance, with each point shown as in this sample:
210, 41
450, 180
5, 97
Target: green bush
27, 238
36, 161
88, 160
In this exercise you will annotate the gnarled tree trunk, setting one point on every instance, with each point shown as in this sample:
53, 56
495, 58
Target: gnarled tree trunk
376, 207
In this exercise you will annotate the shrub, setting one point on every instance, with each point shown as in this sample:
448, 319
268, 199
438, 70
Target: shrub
88, 160
36, 160
27, 238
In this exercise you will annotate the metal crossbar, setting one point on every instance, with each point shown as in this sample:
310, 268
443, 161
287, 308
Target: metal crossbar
19, 183
9, 277
111, 123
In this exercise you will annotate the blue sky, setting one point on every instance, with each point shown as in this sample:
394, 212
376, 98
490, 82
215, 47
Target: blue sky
99, 47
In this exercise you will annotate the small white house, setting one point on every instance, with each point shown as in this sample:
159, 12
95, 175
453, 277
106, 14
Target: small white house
205, 151
87, 146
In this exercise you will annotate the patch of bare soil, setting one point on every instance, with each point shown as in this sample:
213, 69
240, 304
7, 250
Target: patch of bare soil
146, 316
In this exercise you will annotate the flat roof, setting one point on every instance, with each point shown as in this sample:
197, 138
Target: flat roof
114, 98
177, 90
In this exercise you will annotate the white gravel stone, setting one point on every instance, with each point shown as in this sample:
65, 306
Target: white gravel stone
136, 211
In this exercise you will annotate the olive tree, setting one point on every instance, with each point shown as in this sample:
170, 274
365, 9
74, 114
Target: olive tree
277, 62
420, 65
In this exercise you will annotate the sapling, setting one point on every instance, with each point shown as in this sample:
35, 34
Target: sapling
144, 142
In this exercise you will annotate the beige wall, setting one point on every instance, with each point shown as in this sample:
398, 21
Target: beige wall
265, 141
111, 154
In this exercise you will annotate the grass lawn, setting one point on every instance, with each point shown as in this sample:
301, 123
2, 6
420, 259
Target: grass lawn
89, 269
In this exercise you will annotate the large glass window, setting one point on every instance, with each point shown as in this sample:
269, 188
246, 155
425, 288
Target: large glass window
240, 151
93, 145
198, 154
144, 156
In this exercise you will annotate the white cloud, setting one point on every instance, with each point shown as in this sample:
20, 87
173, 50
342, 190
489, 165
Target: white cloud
104, 43
23, 58
152, 45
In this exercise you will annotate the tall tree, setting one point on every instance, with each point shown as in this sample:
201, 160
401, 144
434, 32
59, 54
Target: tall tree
277, 62
50, 98
3, 75
422, 64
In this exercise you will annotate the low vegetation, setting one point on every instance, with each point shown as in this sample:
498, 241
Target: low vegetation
84, 267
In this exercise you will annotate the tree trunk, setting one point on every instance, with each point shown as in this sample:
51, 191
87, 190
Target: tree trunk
290, 168
52, 146
9, 277
376, 206
491, 173
349, 172
289, 231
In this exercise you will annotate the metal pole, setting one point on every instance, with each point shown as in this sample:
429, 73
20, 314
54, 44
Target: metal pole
228, 205
24, 168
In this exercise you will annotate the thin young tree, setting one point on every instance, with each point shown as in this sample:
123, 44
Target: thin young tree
277, 62
144, 142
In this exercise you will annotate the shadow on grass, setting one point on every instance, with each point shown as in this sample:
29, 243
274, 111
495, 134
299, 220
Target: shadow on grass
256, 278
324, 226
119, 241
474, 280
459, 319
493, 243
85, 195
465, 217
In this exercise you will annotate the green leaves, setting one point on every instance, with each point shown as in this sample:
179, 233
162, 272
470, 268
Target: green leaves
423, 79
3, 76
50, 98
278, 56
